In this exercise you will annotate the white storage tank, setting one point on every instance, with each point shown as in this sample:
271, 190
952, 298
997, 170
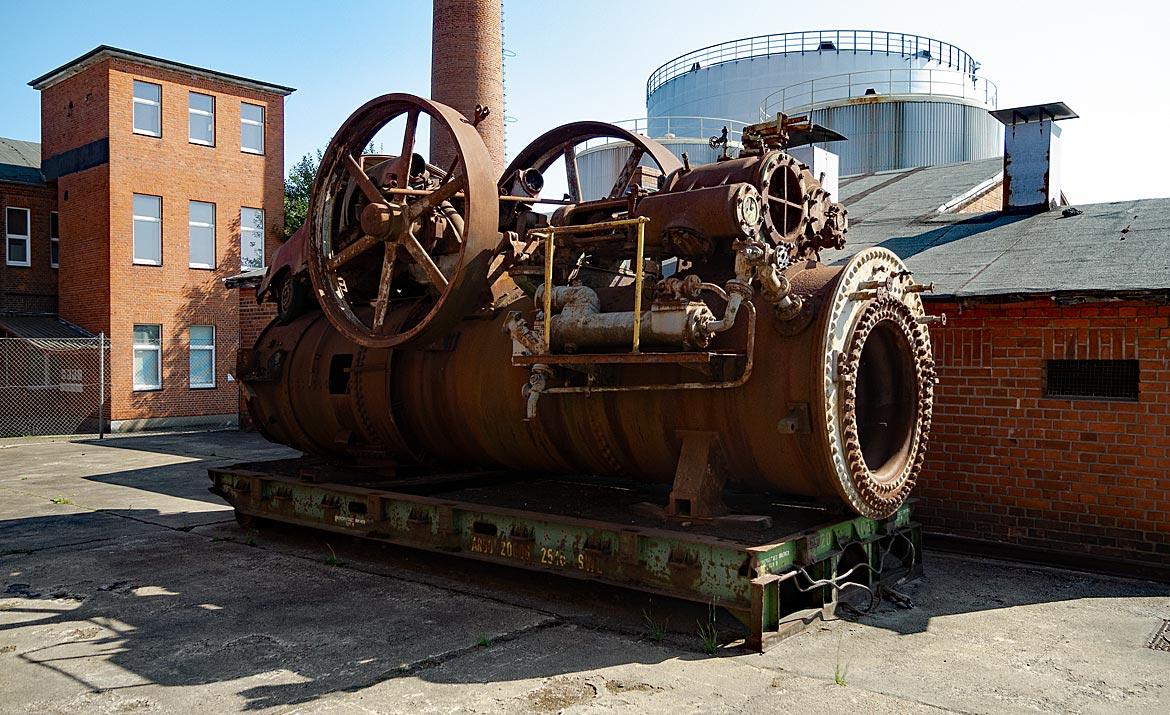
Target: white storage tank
902, 100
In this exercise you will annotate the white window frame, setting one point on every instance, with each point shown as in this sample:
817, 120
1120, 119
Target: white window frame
134, 239
26, 238
245, 231
54, 239
150, 103
192, 349
253, 123
201, 113
192, 224
142, 387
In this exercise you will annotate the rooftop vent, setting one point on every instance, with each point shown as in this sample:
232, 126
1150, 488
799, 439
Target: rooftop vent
827, 45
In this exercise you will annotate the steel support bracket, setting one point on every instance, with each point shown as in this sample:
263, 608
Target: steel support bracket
699, 477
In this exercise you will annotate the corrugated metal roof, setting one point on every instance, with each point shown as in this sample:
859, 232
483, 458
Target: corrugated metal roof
20, 162
45, 332
250, 278
1121, 246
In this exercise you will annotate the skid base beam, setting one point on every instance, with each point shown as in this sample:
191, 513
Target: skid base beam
775, 580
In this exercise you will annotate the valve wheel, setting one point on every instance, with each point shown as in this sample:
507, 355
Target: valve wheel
363, 242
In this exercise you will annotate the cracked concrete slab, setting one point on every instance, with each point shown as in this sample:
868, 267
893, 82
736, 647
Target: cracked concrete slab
141, 595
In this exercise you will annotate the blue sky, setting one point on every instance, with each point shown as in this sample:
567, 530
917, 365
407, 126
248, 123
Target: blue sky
590, 60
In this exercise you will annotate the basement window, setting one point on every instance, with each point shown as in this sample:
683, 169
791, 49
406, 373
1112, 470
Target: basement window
147, 357
1093, 379
202, 356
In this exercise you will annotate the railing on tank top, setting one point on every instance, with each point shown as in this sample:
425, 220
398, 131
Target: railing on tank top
855, 41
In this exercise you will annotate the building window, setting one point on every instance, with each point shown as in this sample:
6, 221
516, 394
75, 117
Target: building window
1093, 379
17, 228
147, 109
202, 356
251, 239
147, 357
202, 234
201, 119
251, 128
53, 236
148, 230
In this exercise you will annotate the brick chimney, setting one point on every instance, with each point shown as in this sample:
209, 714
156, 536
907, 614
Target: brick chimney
1031, 155
467, 69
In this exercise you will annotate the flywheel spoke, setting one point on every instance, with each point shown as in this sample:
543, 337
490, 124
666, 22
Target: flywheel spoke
406, 156
383, 301
570, 154
420, 255
427, 203
363, 181
627, 173
352, 251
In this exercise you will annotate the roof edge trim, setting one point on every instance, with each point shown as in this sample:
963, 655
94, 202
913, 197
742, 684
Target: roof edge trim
102, 52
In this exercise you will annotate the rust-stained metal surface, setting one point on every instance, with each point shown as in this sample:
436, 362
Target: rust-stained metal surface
776, 577
686, 336
442, 224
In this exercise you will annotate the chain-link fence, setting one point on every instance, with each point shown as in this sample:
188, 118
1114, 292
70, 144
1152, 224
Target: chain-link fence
53, 385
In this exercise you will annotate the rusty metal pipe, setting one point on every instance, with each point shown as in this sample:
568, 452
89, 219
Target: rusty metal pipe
581, 323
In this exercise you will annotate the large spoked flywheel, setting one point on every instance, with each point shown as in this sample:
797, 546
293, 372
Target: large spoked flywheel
401, 259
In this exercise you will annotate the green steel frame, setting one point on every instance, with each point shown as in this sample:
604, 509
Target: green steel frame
775, 588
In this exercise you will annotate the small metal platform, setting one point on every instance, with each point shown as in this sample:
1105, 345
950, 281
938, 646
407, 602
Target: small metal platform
776, 574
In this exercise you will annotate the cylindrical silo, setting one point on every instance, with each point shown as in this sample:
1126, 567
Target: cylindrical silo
467, 69
902, 100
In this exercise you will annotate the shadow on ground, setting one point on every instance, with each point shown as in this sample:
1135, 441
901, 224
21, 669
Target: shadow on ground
118, 599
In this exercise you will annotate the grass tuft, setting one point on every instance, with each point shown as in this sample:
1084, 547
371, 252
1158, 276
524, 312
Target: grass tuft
708, 632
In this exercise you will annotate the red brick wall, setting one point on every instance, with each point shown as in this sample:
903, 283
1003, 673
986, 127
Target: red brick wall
467, 69
84, 222
1008, 464
102, 288
253, 319
33, 288
990, 200
75, 111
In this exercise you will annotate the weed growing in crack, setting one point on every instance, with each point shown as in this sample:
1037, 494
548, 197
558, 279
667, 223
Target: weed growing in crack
655, 630
333, 560
840, 670
708, 632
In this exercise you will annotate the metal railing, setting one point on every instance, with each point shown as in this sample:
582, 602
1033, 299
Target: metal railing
855, 41
815, 93
52, 386
671, 127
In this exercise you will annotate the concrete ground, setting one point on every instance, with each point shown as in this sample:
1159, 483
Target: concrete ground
127, 588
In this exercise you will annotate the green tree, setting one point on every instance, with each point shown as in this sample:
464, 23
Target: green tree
298, 186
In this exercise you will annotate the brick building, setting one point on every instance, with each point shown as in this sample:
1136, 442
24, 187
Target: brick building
1051, 432
162, 179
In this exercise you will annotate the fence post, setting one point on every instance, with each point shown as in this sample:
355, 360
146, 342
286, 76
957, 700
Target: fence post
101, 385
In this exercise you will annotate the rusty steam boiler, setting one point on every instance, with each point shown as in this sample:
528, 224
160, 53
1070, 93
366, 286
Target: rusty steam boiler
684, 333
